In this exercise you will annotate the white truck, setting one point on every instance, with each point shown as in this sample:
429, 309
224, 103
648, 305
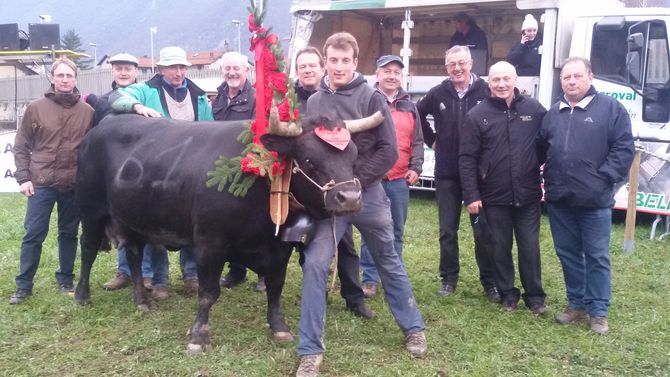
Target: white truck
628, 48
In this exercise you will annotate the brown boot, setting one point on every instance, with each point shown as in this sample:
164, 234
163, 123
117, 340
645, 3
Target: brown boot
147, 282
159, 293
191, 285
119, 281
369, 290
599, 325
570, 315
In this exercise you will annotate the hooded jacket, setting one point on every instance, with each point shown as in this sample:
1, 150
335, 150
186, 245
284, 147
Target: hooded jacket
47, 142
587, 148
525, 57
150, 94
498, 158
377, 149
448, 111
242, 107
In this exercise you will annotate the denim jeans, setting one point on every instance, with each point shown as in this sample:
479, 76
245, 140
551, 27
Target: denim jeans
155, 264
449, 206
581, 239
122, 262
36, 225
397, 191
376, 227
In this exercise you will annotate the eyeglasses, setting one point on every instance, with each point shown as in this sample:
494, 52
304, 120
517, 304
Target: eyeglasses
460, 64
62, 76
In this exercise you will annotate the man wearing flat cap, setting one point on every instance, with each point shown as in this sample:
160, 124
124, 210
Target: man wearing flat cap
168, 94
406, 170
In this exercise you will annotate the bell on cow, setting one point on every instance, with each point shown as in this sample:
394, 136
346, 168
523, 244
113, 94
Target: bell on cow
299, 228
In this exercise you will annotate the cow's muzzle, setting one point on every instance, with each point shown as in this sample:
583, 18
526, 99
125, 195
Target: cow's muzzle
339, 198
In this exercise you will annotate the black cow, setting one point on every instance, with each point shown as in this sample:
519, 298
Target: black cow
142, 180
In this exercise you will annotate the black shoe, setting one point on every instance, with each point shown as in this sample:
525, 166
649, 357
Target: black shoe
67, 288
538, 308
509, 306
446, 289
362, 310
20, 296
493, 295
231, 280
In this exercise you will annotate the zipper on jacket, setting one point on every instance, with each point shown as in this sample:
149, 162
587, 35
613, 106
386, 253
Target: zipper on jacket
567, 131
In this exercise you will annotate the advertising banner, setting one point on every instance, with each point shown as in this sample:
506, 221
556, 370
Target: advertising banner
7, 182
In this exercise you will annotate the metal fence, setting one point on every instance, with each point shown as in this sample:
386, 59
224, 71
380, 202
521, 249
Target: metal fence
17, 93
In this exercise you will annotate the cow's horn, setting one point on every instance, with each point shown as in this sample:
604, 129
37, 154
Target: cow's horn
277, 127
358, 125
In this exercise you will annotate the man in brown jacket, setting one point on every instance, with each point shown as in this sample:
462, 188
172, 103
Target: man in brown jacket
45, 153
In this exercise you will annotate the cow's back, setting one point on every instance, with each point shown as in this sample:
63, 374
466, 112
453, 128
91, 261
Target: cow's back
154, 173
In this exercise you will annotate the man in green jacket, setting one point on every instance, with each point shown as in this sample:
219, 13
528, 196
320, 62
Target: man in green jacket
168, 94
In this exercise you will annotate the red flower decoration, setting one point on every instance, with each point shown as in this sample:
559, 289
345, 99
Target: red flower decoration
278, 82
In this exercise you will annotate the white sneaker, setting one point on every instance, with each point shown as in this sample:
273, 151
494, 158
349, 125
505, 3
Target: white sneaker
309, 365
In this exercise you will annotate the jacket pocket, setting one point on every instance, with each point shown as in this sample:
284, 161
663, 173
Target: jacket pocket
42, 169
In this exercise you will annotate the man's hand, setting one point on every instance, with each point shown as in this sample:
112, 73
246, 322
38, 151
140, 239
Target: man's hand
473, 208
146, 111
524, 38
411, 177
27, 189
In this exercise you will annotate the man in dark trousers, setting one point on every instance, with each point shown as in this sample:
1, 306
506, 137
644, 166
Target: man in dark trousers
448, 103
45, 154
500, 175
587, 140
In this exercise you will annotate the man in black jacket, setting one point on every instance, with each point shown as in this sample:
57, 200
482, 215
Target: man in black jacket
236, 97
500, 174
448, 103
587, 140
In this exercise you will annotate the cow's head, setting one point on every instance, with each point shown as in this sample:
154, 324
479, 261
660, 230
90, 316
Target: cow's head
324, 157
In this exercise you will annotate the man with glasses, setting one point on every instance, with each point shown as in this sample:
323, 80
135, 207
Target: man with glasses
45, 153
448, 103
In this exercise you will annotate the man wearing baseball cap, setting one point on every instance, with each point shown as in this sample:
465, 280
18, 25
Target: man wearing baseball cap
406, 170
168, 94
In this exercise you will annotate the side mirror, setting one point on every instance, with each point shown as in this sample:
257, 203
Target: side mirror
635, 42
655, 112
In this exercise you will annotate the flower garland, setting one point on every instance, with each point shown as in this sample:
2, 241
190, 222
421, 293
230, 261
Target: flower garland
271, 89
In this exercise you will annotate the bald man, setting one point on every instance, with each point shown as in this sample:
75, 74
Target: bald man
500, 177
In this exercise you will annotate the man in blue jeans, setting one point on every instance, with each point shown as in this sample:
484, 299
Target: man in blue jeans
346, 92
588, 145
45, 154
168, 94
406, 169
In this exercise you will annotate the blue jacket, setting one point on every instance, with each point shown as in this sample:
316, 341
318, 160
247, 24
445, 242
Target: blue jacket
587, 148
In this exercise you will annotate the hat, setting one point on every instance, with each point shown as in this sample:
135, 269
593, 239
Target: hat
123, 58
529, 22
173, 56
386, 59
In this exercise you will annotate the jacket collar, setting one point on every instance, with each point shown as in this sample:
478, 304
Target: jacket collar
66, 100
588, 97
347, 89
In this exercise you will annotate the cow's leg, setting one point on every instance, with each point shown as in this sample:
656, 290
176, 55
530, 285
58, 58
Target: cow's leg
274, 281
210, 265
134, 255
91, 239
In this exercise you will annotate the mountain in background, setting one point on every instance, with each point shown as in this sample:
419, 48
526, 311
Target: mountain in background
123, 25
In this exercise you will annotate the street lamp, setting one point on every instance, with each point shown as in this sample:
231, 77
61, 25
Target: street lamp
95, 55
238, 23
45, 18
152, 31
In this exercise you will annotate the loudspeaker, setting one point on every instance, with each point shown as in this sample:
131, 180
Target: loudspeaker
9, 37
44, 36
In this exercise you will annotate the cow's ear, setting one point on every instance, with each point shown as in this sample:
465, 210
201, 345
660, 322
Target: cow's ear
281, 144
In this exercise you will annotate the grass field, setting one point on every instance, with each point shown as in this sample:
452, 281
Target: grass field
468, 336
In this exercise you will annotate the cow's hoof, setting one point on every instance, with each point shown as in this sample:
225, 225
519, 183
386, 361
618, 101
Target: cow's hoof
282, 336
194, 349
144, 308
82, 301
